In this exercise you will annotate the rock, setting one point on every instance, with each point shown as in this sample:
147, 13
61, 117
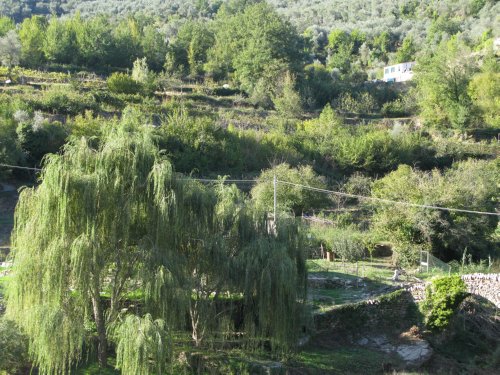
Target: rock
363, 341
415, 354
388, 348
379, 340
267, 368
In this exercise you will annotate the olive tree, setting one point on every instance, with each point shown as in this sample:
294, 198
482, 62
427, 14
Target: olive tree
10, 50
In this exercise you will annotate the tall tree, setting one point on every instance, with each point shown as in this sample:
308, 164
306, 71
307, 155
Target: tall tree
94, 41
6, 24
188, 52
32, 35
108, 222
254, 44
10, 50
60, 41
442, 81
154, 46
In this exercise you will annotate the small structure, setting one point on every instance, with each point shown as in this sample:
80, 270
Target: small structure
399, 73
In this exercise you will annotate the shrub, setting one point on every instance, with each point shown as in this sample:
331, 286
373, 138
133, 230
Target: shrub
14, 352
122, 83
348, 248
38, 137
10, 152
395, 108
290, 198
362, 104
441, 299
64, 100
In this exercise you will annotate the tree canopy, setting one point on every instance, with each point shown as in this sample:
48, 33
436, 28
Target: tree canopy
113, 227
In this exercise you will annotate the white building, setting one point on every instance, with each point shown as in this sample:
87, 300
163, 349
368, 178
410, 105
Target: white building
399, 73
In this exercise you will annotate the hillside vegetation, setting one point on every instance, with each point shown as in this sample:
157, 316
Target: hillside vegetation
149, 139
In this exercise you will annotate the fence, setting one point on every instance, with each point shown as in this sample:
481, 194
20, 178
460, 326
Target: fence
429, 263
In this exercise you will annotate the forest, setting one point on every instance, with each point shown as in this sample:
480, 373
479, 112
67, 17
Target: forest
176, 176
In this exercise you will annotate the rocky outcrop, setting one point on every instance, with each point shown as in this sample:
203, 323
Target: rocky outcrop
414, 352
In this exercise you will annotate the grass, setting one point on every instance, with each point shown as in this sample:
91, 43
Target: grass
376, 276
343, 360
94, 369
377, 269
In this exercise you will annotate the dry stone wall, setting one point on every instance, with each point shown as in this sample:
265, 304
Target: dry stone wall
484, 285
396, 309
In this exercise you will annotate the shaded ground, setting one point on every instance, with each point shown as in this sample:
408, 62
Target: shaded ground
8, 200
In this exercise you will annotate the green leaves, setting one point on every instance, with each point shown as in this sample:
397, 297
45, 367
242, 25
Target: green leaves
111, 225
290, 198
441, 299
251, 42
442, 81
143, 345
468, 185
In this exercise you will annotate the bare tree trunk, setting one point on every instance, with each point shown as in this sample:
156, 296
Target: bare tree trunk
102, 349
196, 332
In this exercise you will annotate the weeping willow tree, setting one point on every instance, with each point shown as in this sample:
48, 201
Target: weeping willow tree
112, 248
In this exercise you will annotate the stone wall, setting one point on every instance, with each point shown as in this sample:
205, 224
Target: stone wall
484, 285
393, 310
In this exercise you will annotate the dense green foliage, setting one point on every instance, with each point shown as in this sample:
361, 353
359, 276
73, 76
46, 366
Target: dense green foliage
441, 299
117, 221
401, 16
289, 197
468, 185
121, 83
107, 96
14, 353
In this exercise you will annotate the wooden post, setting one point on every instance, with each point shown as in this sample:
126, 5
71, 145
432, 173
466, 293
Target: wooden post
275, 182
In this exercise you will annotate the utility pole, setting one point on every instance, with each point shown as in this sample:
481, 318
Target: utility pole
275, 182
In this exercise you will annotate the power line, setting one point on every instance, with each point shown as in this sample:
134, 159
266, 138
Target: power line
19, 167
408, 204
221, 180
193, 179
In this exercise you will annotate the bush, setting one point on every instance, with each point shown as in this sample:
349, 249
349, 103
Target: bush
64, 100
122, 83
10, 152
471, 184
349, 248
442, 297
38, 137
290, 198
395, 108
361, 104
14, 348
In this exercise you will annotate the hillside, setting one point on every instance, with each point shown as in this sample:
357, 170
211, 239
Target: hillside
248, 187
402, 17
